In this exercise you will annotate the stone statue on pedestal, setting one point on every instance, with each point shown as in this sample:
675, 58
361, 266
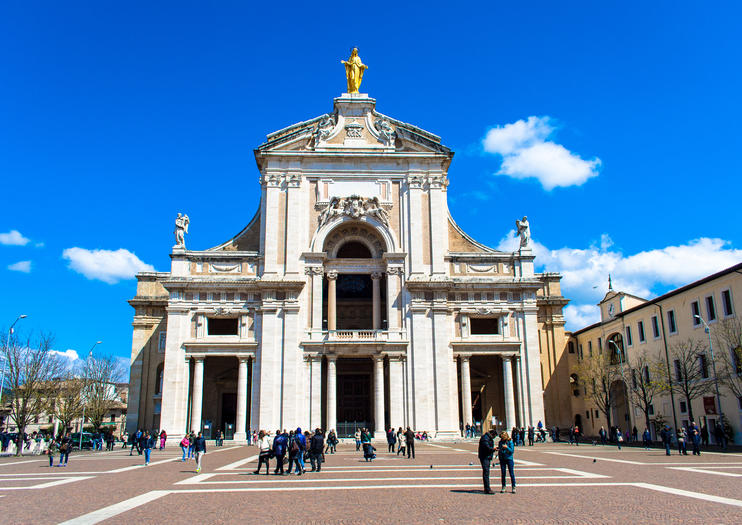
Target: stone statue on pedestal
524, 230
181, 228
354, 69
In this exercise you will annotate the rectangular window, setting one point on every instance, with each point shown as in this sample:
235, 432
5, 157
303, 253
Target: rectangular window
587, 414
590, 348
162, 341
678, 371
726, 301
683, 407
655, 327
695, 313
597, 414
220, 326
580, 355
710, 308
629, 340
600, 345
484, 325
672, 325
571, 347
704, 365
640, 329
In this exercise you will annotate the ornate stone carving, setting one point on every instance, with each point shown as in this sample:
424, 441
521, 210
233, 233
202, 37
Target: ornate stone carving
385, 130
354, 131
432, 181
324, 129
355, 231
181, 228
355, 207
332, 275
314, 270
524, 230
376, 275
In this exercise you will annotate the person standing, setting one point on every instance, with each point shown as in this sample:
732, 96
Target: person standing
51, 450
316, 449
391, 440
191, 440
358, 439
647, 438
332, 441
64, 450
485, 453
603, 435
720, 436
200, 448
666, 435
145, 444
695, 438
577, 436
409, 437
264, 452
280, 444
531, 434
619, 438
705, 435
505, 449
163, 438
682, 447
400, 442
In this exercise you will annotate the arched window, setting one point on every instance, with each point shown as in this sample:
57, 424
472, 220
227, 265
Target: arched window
158, 380
354, 250
574, 381
615, 343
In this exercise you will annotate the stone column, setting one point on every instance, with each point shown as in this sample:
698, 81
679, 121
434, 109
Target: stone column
466, 390
392, 291
396, 392
331, 298
317, 299
239, 434
315, 392
331, 393
507, 380
198, 393
519, 387
376, 295
379, 397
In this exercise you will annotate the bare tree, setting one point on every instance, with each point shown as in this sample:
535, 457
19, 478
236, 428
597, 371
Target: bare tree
32, 371
68, 403
101, 375
691, 377
728, 353
596, 375
647, 381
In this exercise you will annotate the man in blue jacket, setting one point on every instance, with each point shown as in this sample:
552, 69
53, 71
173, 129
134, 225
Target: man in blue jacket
199, 447
280, 444
486, 451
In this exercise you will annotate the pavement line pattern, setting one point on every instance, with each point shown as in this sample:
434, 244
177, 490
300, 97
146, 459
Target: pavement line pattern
117, 508
689, 494
704, 471
233, 466
626, 461
46, 485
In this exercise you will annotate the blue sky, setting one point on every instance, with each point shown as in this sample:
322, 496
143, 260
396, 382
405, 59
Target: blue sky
615, 128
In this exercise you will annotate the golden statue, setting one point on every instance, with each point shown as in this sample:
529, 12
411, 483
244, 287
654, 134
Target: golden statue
354, 69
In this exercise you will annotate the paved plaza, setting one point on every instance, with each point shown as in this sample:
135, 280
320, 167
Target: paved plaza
556, 483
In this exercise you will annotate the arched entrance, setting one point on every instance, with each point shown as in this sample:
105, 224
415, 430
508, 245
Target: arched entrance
620, 407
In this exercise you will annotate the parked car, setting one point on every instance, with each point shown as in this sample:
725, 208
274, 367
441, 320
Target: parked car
87, 440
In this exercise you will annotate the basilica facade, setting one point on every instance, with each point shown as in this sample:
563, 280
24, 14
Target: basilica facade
351, 299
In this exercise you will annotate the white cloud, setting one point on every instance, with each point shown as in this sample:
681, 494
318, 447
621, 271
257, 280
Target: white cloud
645, 274
14, 238
69, 354
20, 266
109, 266
526, 154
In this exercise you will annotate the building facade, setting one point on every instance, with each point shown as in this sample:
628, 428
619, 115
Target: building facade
351, 299
633, 330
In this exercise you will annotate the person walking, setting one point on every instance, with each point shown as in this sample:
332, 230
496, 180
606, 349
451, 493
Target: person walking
577, 436
191, 440
358, 439
200, 447
695, 438
531, 435
368, 448
400, 442
603, 435
666, 435
485, 453
280, 445
332, 442
184, 446
647, 438
163, 439
64, 450
705, 435
145, 443
264, 452
619, 438
505, 450
409, 436
316, 450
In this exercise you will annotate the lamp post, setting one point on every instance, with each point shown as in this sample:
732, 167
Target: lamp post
5, 361
713, 362
82, 424
620, 367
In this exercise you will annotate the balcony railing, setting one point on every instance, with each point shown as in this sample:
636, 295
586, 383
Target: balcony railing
355, 335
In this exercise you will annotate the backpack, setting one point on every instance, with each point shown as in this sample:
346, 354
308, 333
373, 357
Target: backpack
294, 446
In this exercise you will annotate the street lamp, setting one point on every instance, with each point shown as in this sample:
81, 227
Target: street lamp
713, 363
620, 367
82, 425
5, 362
